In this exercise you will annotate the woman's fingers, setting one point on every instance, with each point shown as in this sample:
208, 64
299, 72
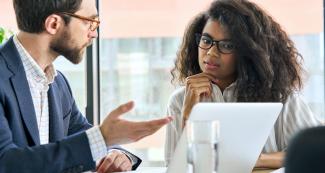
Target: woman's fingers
202, 76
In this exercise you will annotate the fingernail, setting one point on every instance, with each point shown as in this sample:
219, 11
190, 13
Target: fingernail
129, 104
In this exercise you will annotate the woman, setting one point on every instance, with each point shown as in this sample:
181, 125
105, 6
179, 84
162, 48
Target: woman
235, 52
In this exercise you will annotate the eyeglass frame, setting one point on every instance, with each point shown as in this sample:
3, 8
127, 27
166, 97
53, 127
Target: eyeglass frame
198, 37
84, 18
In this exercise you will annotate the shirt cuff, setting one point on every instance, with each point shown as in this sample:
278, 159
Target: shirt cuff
97, 143
133, 159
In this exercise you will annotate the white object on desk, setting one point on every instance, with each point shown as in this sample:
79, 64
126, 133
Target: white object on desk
244, 129
281, 170
203, 137
149, 170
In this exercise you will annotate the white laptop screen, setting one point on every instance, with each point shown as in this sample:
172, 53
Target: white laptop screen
244, 129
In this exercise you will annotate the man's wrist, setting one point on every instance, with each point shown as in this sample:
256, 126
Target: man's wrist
97, 143
103, 134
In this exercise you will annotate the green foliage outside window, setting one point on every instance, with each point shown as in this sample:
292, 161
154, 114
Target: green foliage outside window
4, 35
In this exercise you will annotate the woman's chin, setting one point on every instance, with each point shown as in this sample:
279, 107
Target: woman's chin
211, 73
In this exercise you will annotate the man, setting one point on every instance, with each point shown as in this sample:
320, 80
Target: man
306, 152
41, 128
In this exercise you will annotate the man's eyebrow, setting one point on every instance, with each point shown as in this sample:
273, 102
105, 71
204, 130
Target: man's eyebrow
94, 16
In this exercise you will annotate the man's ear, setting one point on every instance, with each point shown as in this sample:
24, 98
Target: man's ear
53, 23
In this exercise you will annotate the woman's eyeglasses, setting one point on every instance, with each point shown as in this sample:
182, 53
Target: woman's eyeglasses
205, 42
94, 22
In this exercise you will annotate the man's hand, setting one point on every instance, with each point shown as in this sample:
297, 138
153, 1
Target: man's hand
118, 131
115, 161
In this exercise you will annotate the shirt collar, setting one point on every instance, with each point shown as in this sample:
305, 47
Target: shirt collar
230, 87
46, 76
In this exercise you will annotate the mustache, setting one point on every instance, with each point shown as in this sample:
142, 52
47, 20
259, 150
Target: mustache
88, 43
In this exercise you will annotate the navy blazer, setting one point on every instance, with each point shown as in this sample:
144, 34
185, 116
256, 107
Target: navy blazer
20, 150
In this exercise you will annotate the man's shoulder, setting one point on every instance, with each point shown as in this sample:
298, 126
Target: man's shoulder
59, 76
61, 84
3, 47
4, 70
9, 56
60, 79
8, 45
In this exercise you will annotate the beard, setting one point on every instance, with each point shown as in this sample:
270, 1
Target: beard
63, 45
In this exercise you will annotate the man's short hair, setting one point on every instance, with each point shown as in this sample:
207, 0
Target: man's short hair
31, 14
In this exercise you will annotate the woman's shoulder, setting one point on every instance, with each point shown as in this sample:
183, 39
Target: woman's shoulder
295, 98
297, 105
179, 92
177, 96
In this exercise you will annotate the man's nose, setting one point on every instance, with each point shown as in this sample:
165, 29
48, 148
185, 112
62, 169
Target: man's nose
93, 34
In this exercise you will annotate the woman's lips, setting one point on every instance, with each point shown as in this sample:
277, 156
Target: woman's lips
210, 65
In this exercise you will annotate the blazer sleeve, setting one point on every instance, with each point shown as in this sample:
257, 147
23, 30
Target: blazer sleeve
62, 156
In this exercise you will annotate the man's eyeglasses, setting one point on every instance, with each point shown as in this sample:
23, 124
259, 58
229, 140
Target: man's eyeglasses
94, 22
205, 42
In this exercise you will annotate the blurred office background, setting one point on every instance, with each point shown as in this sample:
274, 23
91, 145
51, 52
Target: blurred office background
137, 47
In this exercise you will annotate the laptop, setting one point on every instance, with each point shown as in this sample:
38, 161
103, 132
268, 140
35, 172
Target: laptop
244, 129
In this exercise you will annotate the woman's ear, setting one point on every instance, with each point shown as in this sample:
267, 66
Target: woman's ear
53, 23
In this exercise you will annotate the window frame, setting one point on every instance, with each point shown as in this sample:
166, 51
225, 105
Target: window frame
93, 79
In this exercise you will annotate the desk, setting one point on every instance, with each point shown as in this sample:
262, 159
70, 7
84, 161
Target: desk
262, 170
163, 170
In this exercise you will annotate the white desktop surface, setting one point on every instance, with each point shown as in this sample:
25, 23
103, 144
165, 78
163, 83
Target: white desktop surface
149, 170
164, 169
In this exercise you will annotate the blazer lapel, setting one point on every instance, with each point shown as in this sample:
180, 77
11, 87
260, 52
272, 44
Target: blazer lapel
56, 119
21, 88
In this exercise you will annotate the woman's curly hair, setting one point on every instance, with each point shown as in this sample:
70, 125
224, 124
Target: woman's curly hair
268, 65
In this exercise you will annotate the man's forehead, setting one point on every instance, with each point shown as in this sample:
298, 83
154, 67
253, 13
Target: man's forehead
88, 8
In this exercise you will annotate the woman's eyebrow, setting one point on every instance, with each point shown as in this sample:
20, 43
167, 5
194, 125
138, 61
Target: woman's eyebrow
208, 35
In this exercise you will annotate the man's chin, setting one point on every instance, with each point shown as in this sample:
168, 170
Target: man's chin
80, 56
75, 59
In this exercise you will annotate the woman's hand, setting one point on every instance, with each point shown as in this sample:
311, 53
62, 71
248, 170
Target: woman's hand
197, 87
270, 160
